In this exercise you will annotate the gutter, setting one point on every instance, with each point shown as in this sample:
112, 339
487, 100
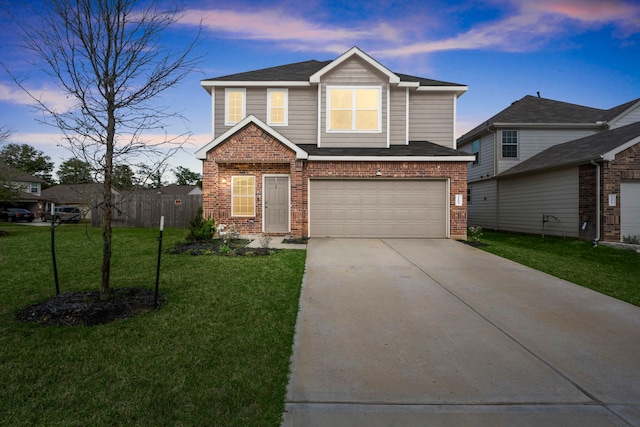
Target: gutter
597, 165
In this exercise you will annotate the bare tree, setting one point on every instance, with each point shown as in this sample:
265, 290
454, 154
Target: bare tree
108, 57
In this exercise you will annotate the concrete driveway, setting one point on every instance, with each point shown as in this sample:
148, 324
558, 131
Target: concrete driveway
434, 332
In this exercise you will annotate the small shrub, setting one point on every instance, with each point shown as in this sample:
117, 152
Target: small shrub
475, 234
228, 233
200, 229
264, 239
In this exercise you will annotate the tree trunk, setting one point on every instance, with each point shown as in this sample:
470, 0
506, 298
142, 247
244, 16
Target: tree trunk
105, 289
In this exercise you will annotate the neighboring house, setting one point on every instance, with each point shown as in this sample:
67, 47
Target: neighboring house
341, 148
82, 196
27, 186
549, 167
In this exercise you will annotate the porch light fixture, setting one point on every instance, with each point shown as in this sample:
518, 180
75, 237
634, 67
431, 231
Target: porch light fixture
224, 180
379, 173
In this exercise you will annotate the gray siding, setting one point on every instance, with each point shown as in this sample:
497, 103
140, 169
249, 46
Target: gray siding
524, 200
482, 207
431, 117
303, 112
353, 72
631, 117
398, 118
486, 164
533, 141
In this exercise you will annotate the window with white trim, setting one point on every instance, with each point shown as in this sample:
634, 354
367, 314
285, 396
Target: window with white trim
234, 105
354, 109
34, 188
510, 143
277, 107
243, 195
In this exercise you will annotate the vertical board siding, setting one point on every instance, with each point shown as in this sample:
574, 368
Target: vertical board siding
431, 117
523, 201
145, 210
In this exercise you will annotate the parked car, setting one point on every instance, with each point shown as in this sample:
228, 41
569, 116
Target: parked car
16, 214
64, 214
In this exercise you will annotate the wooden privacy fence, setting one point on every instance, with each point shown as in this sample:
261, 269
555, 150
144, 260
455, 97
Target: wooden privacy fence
144, 210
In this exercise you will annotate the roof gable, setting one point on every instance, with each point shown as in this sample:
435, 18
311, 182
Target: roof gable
202, 152
355, 52
600, 146
12, 174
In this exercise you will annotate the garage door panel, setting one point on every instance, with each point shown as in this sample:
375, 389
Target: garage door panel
378, 208
630, 209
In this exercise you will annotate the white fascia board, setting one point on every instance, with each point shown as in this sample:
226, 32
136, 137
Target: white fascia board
409, 84
611, 155
393, 78
391, 158
202, 152
241, 83
459, 90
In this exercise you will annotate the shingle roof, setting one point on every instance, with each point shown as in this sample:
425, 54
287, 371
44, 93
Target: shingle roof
299, 71
414, 149
12, 174
72, 193
533, 109
578, 151
302, 71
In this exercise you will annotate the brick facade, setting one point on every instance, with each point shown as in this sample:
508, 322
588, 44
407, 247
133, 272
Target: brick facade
626, 166
254, 152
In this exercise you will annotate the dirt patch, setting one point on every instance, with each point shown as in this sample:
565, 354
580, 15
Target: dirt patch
473, 243
86, 308
3, 233
218, 247
296, 240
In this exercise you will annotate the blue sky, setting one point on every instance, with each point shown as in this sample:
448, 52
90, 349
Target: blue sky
580, 51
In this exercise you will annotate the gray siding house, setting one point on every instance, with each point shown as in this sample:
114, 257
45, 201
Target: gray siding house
549, 167
340, 148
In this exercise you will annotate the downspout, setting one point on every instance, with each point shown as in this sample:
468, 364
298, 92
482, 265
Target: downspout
496, 164
597, 165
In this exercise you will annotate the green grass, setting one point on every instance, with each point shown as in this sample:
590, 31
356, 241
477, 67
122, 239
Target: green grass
613, 272
216, 354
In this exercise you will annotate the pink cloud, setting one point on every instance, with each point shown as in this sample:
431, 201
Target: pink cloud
586, 10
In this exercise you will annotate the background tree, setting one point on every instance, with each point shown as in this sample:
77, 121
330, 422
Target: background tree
185, 176
149, 177
75, 171
123, 177
27, 159
8, 191
108, 56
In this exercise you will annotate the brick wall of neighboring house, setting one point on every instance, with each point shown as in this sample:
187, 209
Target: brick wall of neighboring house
626, 166
587, 202
251, 151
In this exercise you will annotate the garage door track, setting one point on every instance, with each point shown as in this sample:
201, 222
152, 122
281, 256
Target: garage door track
416, 332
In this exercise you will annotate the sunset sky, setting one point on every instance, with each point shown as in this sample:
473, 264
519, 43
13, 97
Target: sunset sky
579, 51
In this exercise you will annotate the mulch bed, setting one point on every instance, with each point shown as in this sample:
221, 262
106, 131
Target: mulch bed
472, 243
217, 247
86, 308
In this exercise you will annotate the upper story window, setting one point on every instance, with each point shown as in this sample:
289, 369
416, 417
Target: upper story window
475, 149
354, 109
234, 105
277, 107
34, 188
510, 143
243, 195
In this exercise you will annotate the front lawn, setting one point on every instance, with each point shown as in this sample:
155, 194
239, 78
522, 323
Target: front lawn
216, 354
613, 272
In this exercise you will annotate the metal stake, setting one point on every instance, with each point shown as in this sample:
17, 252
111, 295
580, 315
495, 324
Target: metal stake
159, 256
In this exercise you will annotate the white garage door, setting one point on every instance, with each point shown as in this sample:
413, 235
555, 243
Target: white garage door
630, 208
378, 208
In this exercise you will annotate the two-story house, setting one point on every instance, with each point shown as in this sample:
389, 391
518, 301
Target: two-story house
25, 188
550, 167
340, 148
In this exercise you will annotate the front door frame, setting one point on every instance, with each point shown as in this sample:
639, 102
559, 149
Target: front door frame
264, 201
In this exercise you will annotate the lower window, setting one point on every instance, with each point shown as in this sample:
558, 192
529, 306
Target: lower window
243, 195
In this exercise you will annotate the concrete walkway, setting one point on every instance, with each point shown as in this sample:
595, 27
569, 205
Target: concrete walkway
434, 332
